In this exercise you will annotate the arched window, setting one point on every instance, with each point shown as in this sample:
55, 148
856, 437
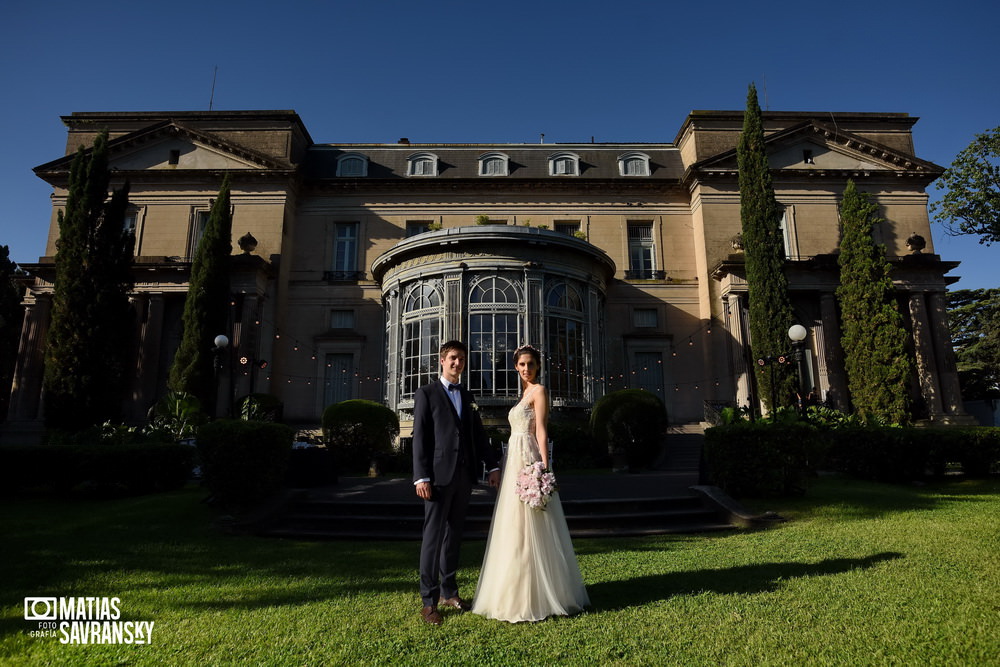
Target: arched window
564, 324
633, 164
421, 320
564, 164
352, 164
494, 164
422, 164
493, 337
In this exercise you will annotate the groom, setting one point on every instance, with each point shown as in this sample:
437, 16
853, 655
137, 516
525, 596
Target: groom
448, 444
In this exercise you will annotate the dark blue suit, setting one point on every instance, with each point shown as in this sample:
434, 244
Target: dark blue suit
447, 450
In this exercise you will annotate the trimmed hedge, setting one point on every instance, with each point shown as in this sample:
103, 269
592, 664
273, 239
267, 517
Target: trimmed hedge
104, 470
979, 451
244, 462
906, 454
765, 458
760, 458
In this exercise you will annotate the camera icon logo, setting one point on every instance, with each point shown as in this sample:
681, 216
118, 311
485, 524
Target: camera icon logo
40, 609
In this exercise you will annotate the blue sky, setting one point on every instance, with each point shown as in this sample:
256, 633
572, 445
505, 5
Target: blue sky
443, 71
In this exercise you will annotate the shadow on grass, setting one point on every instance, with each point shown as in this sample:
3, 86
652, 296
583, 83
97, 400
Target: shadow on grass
137, 545
762, 578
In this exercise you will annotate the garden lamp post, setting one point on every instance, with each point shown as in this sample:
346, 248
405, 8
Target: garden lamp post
221, 344
797, 334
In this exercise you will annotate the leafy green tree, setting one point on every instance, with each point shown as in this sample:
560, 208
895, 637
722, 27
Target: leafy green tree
974, 315
86, 351
11, 314
206, 308
764, 251
874, 340
972, 203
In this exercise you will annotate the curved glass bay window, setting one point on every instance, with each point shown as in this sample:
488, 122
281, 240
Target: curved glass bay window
495, 288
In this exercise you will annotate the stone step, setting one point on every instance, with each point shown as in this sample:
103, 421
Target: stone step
382, 520
293, 533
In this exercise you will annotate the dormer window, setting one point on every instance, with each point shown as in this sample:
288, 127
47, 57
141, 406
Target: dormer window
633, 164
422, 164
564, 164
352, 164
493, 164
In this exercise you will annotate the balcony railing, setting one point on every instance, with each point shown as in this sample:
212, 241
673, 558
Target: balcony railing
645, 274
343, 276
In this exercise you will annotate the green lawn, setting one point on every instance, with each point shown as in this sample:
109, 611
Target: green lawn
862, 574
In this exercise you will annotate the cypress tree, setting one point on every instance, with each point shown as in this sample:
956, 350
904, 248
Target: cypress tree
87, 345
764, 252
11, 316
873, 337
206, 308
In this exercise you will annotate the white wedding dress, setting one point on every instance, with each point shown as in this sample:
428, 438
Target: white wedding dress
529, 570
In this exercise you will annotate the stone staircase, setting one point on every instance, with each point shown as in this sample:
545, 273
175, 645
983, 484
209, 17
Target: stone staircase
683, 448
318, 519
657, 502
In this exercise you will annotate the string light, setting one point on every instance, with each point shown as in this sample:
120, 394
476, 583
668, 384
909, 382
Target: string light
554, 365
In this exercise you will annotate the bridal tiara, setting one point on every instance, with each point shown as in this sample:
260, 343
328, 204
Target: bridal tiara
529, 349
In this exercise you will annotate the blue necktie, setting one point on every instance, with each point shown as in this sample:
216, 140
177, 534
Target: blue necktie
455, 395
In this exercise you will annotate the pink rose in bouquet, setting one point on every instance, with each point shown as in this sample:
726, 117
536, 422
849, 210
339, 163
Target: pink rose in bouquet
535, 485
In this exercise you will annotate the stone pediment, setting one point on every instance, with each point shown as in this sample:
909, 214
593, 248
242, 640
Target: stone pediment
169, 146
820, 147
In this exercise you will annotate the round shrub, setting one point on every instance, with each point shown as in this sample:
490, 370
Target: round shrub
630, 422
360, 432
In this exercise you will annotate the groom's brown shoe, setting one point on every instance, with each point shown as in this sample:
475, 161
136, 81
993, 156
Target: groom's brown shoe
431, 615
455, 603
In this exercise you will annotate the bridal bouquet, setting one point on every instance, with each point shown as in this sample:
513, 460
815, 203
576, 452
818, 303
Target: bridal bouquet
535, 485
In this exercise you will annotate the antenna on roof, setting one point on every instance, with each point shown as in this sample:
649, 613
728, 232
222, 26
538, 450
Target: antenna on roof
541, 138
211, 99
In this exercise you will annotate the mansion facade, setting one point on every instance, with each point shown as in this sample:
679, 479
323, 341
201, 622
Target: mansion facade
621, 261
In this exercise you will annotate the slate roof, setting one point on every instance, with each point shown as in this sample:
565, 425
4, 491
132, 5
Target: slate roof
526, 161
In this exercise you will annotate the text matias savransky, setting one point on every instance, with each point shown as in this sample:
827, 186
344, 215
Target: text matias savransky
85, 620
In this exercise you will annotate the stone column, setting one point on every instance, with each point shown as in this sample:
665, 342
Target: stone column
595, 367
393, 370
245, 345
951, 391
832, 353
147, 367
926, 363
26, 393
737, 348
133, 410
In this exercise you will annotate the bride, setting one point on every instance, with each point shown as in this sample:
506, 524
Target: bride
529, 570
